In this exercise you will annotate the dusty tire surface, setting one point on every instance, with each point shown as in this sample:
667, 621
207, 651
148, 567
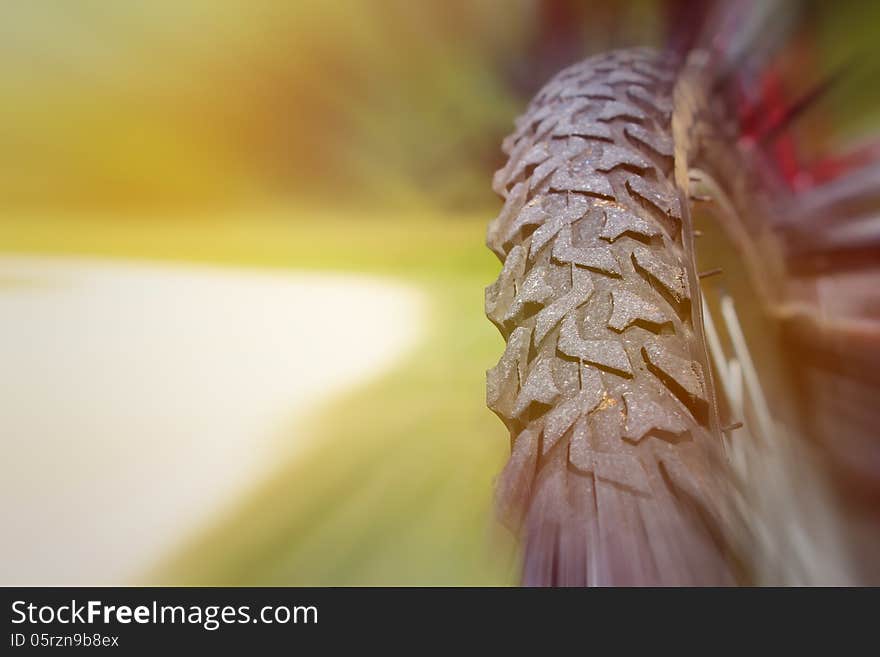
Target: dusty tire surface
615, 475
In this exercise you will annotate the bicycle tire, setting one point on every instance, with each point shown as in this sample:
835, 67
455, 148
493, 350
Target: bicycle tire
615, 475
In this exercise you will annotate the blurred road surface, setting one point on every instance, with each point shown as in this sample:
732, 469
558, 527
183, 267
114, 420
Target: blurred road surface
139, 401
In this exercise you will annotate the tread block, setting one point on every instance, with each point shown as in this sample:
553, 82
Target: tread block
500, 294
576, 206
591, 129
551, 92
502, 176
584, 128
538, 387
543, 170
616, 156
649, 69
587, 182
644, 414
672, 278
564, 110
548, 318
608, 354
526, 122
513, 205
668, 204
576, 146
630, 76
618, 109
579, 449
567, 374
503, 380
538, 115
604, 65
684, 373
597, 90
559, 420
660, 105
532, 214
629, 308
546, 127
660, 144
533, 156
511, 142
533, 289
619, 221
599, 258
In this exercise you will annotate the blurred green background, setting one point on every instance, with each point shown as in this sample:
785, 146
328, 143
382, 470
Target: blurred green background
345, 136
